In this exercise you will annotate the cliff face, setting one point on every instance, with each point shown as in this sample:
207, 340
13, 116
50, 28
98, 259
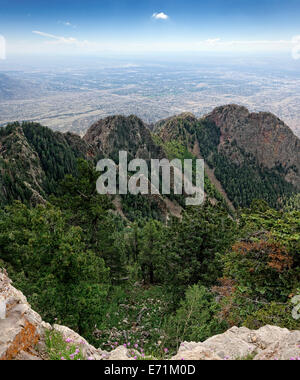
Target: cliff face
21, 329
263, 135
248, 156
130, 134
22, 337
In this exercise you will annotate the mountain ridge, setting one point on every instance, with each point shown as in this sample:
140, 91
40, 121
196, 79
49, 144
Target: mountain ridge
225, 144
272, 140
248, 156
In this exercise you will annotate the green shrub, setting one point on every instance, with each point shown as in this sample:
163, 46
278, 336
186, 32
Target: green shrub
196, 319
50, 263
273, 314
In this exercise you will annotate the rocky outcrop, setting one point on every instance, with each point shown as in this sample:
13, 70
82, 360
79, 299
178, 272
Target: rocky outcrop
247, 155
21, 329
130, 134
267, 343
89, 352
22, 337
263, 135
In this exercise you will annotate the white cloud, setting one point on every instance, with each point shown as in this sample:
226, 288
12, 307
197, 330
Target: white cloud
55, 43
2, 47
213, 41
58, 39
296, 48
160, 16
296, 39
66, 23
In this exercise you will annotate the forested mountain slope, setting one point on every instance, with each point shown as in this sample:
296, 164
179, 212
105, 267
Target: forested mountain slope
252, 156
248, 156
33, 159
115, 133
133, 274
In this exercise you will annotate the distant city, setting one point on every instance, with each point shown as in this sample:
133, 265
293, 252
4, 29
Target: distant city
71, 98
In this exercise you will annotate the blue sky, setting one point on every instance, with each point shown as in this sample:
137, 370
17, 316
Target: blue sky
89, 26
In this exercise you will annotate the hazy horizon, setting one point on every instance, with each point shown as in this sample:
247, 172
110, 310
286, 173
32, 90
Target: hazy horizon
69, 63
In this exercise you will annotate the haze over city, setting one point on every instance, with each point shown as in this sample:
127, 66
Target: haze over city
70, 63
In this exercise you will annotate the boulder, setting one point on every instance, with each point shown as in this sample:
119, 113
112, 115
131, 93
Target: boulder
280, 344
120, 353
194, 351
267, 343
22, 328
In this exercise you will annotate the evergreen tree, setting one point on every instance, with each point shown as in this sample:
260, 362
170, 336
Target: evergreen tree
84, 207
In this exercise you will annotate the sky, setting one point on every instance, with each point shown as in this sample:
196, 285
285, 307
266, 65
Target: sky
47, 27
